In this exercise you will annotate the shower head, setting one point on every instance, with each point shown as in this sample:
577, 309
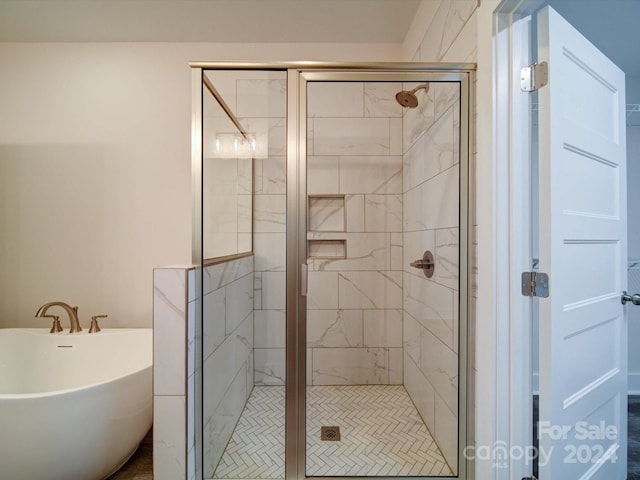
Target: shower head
408, 98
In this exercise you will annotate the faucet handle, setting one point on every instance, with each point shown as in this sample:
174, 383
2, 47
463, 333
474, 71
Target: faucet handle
56, 327
95, 328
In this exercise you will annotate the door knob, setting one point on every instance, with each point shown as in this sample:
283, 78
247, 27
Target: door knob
635, 298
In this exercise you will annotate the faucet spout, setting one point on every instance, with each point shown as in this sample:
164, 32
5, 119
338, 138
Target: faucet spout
71, 311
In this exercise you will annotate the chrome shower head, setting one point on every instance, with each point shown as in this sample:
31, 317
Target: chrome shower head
408, 98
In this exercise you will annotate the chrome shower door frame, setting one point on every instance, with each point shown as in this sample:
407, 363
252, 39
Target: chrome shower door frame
296, 357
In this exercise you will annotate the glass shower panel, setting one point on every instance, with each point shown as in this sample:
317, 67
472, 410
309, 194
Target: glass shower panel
244, 195
382, 328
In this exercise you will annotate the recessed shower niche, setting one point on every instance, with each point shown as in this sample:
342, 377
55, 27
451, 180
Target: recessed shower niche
319, 320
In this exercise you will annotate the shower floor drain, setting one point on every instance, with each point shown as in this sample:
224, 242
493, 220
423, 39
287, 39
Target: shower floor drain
330, 434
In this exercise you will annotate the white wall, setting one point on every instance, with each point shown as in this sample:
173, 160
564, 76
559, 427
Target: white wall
125, 109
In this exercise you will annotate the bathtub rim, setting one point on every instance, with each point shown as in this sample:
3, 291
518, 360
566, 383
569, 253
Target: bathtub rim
52, 393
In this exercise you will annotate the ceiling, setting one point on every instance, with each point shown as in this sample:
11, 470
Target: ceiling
245, 21
612, 25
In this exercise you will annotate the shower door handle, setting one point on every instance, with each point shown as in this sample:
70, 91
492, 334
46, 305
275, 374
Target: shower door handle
635, 298
304, 279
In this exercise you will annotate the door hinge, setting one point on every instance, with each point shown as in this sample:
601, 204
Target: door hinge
534, 76
535, 284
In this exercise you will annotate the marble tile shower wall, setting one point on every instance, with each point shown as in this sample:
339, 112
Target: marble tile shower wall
261, 108
354, 180
227, 352
431, 222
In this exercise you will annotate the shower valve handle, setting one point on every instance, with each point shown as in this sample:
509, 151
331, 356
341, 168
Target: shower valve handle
426, 264
420, 263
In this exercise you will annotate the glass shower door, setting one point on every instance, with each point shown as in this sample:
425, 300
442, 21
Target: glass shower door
243, 320
384, 233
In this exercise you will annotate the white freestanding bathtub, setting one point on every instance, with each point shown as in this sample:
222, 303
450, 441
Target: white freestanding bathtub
72, 406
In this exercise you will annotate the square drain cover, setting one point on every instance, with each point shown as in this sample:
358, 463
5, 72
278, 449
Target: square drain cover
330, 434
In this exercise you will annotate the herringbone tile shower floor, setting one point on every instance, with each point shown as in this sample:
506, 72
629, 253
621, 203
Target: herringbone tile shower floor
382, 434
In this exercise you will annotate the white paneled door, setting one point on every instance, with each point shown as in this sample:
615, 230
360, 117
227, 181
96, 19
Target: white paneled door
583, 329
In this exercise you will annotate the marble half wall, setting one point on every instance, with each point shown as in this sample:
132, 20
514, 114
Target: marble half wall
227, 355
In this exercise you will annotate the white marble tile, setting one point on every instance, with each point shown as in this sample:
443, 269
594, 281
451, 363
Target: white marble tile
270, 366
447, 23
350, 366
245, 212
420, 391
262, 97
351, 136
239, 302
383, 328
191, 414
355, 213
372, 174
464, 48
433, 204
323, 290
277, 137
245, 176
383, 213
440, 366
395, 136
326, 214
170, 331
271, 177
431, 305
322, 175
397, 250
335, 99
415, 244
370, 289
380, 99
365, 251
396, 366
412, 334
244, 337
444, 96
274, 289
169, 442
270, 328
213, 324
334, 328
220, 369
221, 274
447, 255
417, 120
219, 424
257, 291
431, 154
269, 213
270, 252
446, 431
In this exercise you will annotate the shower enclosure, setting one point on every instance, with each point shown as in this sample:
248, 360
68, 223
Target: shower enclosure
332, 231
